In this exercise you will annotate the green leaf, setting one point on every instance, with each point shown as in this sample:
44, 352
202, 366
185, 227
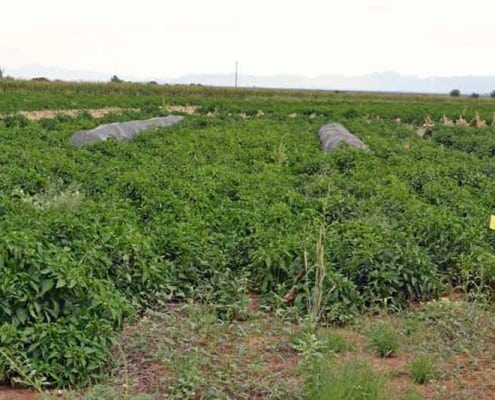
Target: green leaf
21, 314
60, 283
46, 285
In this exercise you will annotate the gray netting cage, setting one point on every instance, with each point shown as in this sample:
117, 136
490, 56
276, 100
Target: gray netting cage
122, 130
332, 135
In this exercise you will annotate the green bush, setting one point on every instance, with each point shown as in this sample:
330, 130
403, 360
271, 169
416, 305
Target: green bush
386, 266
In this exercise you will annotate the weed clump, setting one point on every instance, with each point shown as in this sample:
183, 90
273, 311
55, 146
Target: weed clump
352, 379
384, 339
423, 368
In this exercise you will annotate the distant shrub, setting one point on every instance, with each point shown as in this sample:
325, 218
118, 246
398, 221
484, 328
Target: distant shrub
115, 79
40, 79
455, 93
492, 94
475, 95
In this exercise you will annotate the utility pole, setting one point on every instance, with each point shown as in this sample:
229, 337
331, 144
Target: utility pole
236, 66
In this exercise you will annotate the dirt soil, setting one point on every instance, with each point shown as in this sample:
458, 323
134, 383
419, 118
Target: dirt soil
18, 394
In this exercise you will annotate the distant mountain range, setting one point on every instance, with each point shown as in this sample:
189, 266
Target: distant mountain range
388, 81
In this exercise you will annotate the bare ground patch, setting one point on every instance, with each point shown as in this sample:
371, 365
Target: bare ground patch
188, 109
37, 115
183, 351
94, 112
18, 394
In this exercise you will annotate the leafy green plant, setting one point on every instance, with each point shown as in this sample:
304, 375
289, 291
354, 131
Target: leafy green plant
309, 345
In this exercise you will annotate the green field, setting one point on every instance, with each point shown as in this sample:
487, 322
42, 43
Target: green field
235, 217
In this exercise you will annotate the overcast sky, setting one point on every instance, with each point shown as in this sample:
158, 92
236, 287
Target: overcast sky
152, 38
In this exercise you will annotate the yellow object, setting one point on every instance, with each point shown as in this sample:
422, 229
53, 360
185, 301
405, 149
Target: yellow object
492, 222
